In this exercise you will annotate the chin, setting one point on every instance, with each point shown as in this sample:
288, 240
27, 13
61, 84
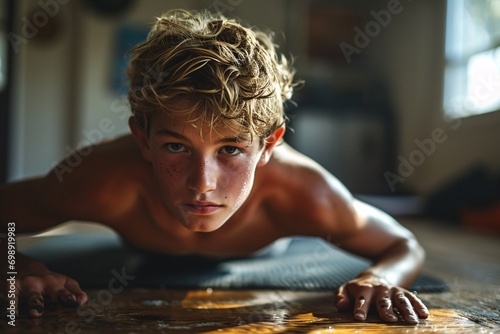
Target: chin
203, 227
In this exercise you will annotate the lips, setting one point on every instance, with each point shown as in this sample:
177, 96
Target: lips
201, 208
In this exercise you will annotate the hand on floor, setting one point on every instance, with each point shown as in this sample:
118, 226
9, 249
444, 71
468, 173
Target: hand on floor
35, 283
389, 301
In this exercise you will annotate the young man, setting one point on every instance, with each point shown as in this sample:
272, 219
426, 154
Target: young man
205, 169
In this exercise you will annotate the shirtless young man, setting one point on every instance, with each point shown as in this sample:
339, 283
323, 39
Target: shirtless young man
205, 171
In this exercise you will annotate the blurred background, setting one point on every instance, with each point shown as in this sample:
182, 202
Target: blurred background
401, 98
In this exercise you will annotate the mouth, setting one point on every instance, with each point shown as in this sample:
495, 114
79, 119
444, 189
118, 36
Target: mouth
201, 208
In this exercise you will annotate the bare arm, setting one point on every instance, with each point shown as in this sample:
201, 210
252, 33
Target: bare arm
93, 191
30, 205
397, 255
332, 213
397, 260
40, 203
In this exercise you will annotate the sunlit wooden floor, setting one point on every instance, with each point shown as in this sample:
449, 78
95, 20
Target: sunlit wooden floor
467, 262
201, 311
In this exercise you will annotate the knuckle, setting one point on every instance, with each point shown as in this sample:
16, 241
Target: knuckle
73, 283
365, 285
28, 281
394, 290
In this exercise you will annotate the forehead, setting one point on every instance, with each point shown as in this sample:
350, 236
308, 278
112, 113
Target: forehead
192, 125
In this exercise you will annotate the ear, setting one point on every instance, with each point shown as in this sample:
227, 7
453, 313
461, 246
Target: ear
141, 137
270, 143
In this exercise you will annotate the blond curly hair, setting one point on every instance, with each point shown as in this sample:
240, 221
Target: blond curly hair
229, 74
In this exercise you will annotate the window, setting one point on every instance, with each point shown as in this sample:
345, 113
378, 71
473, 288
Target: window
472, 74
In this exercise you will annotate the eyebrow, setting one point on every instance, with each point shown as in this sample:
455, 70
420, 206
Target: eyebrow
165, 132
228, 139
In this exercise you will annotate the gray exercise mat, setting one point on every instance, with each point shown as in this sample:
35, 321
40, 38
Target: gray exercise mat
302, 264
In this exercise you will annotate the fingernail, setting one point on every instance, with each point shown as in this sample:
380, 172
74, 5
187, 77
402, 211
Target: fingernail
391, 317
72, 301
359, 316
36, 310
413, 319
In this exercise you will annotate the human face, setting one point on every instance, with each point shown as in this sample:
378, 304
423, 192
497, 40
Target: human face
203, 176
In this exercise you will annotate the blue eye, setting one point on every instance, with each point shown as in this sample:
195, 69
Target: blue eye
231, 150
174, 147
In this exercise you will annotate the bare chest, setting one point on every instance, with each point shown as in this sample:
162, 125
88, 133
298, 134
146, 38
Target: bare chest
153, 228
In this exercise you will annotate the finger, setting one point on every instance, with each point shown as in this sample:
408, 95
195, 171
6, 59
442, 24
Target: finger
405, 308
54, 290
384, 309
31, 291
71, 300
362, 304
342, 300
35, 304
80, 297
418, 305
61, 295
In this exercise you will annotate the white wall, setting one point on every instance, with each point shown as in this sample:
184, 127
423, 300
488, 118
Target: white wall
41, 90
409, 54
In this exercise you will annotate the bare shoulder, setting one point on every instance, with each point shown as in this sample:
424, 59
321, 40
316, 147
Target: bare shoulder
99, 182
307, 197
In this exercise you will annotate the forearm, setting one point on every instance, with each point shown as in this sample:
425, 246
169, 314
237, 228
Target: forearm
400, 264
396, 254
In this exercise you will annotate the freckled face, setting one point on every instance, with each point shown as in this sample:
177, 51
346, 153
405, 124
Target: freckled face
205, 177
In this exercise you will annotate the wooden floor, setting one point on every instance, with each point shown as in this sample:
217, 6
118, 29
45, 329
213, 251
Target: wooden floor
468, 262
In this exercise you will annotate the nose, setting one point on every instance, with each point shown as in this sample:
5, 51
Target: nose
203, 176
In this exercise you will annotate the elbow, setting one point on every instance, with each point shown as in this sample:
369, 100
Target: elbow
413, 263
415, 255
419, 253
413, 249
